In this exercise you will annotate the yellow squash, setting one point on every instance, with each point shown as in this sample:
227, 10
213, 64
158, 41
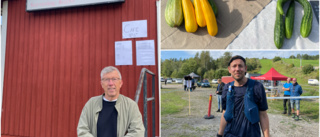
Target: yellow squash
189, 16
199, 13
210, 18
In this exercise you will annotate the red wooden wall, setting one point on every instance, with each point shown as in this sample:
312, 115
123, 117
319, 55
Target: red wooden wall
54, 59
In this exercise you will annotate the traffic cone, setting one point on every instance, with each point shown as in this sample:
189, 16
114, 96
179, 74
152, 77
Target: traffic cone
209, 116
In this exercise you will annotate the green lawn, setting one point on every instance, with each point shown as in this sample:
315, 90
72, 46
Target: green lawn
282, 68
171, 101
309, 109
296, 62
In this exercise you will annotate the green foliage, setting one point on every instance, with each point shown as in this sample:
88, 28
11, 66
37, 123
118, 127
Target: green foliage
292, 57
189, 66
317, 77
253, 64
200, 71
296, 62
307, 69
221, 72
276, 58
291, 65
175, 74
209, 74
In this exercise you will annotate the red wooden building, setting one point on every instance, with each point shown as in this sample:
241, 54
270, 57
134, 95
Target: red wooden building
53, 60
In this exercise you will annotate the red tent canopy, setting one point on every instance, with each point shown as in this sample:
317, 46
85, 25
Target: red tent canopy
272, 74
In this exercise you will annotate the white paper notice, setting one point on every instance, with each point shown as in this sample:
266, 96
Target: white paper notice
145, 52
123, 52
134, 29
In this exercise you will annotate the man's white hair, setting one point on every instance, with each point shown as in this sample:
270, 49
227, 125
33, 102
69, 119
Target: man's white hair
108, 70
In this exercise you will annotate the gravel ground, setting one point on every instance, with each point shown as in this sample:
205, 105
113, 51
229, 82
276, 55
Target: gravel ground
194, 125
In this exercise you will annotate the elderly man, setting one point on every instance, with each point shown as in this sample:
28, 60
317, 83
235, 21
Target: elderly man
296, 91
244, 104
110, 114
287, 93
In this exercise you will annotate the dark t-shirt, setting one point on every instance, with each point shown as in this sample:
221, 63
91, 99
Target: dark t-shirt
107, 120
240, 125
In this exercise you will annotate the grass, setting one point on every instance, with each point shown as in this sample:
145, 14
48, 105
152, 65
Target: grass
309, 109
172, 102
282, 68
296, 62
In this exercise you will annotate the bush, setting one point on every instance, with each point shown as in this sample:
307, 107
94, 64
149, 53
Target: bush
307, 69
276, 58
291, 65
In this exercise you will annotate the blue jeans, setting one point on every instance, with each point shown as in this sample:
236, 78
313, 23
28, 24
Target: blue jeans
219, 101
297, 102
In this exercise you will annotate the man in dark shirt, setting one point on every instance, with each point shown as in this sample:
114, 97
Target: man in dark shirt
240, 125
219, 93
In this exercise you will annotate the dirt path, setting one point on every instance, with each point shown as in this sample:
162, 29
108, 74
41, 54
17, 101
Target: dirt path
194, 125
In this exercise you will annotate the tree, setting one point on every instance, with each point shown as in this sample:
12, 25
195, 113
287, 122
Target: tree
292, 57
200, 71
298, 56
307, 69
253, 64
205, 59
221, 72
175, 74
276, 58
189, 66
305, 56
209, 74
166, 68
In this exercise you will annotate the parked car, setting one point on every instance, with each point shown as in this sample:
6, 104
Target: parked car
214, 81
169, 80
179, 80
162, 79
203, 83
313, 82
174, 79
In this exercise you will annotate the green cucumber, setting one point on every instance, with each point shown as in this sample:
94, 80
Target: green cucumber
214, 7
278, 30
280, 4
289, 20
306, 22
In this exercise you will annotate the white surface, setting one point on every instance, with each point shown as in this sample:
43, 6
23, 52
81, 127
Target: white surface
145, 52
123, 52
52, 4
134, 29
3, 48
259, 32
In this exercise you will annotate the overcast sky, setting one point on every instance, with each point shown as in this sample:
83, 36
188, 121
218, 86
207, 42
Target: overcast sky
185, 54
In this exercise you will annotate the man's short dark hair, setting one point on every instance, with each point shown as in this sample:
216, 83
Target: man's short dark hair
237, 57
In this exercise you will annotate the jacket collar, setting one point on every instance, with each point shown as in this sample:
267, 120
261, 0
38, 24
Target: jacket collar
99, 102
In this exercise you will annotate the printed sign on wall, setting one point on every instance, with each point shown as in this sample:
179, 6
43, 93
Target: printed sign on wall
123, 52
145, 52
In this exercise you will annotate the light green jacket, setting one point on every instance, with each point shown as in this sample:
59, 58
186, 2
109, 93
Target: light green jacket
129, 121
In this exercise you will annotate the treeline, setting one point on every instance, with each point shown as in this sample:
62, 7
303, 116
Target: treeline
203, 65
305, 57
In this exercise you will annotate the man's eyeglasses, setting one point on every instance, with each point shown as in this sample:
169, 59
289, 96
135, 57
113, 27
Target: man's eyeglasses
110, 79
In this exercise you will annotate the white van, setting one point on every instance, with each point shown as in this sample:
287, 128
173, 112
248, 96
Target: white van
313, 82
